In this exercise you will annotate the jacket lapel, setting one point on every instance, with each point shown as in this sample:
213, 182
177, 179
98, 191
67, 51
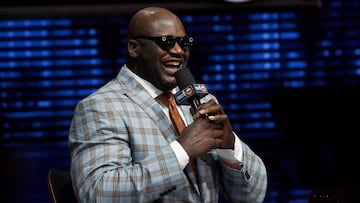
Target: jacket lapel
134, 91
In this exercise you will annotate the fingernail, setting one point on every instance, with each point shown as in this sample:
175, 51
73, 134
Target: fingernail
202, 111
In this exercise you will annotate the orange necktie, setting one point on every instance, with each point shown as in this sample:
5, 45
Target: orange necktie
167, 98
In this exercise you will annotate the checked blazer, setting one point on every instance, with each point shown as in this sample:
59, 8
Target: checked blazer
119, 142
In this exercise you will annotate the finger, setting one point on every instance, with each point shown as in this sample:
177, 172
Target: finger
219, 118
207, 104
217, 126
213, 109
208, 107
198, 114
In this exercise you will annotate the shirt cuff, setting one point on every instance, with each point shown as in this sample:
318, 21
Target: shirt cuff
180, 153
232, 156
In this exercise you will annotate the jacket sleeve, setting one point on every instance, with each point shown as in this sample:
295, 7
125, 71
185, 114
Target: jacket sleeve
248, 184
104, 167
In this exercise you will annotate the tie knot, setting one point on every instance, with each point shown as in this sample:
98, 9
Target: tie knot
166, 98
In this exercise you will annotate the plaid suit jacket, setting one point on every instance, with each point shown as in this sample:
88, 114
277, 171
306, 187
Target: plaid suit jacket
119, 143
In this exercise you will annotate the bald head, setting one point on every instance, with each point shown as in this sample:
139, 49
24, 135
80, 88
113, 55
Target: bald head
146, 56
153, 21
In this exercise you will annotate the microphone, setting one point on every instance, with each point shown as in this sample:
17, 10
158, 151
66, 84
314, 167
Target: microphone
190, 92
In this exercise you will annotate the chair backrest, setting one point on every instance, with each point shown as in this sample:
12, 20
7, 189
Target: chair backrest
60, 186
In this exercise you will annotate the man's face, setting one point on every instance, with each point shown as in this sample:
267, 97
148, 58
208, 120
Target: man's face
157, 65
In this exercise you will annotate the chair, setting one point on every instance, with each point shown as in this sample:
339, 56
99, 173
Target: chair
60, 186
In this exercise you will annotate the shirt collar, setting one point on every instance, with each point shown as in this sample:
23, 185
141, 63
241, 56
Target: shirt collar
150, 88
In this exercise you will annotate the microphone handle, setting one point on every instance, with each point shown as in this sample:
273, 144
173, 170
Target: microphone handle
195, 103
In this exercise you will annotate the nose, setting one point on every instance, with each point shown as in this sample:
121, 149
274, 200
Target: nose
177, 48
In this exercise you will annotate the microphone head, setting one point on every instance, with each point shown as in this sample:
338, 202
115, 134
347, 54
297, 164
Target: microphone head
184, 78
190, 92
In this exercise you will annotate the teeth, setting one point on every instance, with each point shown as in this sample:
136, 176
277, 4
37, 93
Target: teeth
172, 63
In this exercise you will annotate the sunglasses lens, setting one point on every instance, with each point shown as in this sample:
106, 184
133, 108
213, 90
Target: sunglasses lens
185, 42
166, 43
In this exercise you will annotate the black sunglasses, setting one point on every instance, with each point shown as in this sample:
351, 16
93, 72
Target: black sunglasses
168, 42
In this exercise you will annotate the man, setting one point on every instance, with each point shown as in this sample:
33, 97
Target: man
124, 147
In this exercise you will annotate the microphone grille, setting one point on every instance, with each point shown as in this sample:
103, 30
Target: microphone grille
184, 78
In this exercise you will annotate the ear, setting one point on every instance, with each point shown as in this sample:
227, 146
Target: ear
133, 47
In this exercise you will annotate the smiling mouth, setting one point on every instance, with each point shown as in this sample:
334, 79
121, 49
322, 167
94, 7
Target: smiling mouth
172, 66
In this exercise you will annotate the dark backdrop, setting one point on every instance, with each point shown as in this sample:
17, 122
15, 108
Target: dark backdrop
288, 77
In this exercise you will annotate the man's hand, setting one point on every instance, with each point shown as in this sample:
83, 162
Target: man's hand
211, 129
